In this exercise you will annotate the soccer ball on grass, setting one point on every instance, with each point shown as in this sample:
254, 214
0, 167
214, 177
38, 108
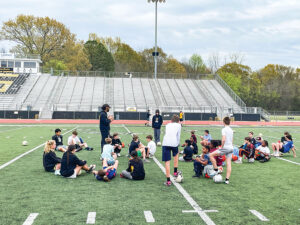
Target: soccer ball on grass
25, 143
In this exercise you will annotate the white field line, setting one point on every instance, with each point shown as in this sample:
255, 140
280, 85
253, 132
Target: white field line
259, 215
91, 218
30, 219
186, 195
288, 161
149, 217
193, 211
26, 153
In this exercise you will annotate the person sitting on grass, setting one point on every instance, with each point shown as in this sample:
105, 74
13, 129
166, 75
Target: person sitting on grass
259, 141
247, 150
214, 146
194, 136
136, 145
58, 138
194, 146
202, 161
187, 152
71, 166
252, 139
108, 152
284, 141
135, 170
151, 147
107, 173
206, 138
78, 142
284, 147
262, 152
117, 144
50, 161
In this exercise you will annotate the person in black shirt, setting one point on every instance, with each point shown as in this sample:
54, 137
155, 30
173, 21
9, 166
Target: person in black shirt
187, 152
71, 165
250, 135
194, 146
51, 162
157, 122
137, 146
58, 138
148, 118
135, 170
104, 124
116, 142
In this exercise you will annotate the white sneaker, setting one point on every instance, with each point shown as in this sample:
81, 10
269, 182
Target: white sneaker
118, 154
251, 160
57, 172
226, 181
238, 161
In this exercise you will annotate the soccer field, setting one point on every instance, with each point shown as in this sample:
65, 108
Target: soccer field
272, 188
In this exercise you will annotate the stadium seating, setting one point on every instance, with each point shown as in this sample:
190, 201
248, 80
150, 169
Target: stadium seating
11, 83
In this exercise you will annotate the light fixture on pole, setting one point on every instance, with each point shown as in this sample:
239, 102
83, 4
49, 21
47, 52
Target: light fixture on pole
155, 53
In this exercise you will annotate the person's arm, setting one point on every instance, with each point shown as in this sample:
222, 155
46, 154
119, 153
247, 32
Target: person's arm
178, 136
129, 166
104, 120
55, 158
223, 141
153, 121
78, 161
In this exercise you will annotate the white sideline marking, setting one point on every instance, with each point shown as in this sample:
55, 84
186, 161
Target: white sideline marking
149, 217
30, 219
259, 215
91, 218
26, 153
186, 195
194, 211
288, 161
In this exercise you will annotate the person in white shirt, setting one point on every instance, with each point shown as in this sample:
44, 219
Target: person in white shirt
75, 140
170, 144
262, 152
226, 149
151, 147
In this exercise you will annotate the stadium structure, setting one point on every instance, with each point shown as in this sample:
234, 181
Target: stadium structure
26, 91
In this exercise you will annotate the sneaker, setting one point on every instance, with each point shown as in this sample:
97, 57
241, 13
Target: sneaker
175, 174
57, 172
214, 173
251, 160
92, 167
146, 160
168, 183
226, 182
118, 154
238, 161
151, 156
196, 176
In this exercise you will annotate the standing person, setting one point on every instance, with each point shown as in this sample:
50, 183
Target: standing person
104, 124
170, 144
157, 121
226, 149
148, 118
181, 117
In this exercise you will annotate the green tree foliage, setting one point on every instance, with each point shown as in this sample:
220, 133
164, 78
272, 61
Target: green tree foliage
99, 57
197, 65
55, 65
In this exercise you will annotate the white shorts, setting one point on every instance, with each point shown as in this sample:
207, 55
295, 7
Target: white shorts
226, 152
73, 176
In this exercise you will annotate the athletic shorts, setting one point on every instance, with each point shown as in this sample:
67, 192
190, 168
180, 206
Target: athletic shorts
110, 162
226, 152
282, 150
139, 153
166, 152
73, 176
181, 120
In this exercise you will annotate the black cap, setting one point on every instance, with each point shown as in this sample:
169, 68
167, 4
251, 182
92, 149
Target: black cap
105, 106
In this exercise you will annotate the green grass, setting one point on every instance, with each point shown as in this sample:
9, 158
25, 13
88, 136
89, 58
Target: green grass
271, 188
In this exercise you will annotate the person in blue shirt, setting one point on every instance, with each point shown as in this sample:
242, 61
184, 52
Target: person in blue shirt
104, 124
157, 122
201, 161
206, 139
284, 147
107, 173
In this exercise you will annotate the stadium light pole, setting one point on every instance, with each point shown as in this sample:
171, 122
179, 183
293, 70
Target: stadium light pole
155, 53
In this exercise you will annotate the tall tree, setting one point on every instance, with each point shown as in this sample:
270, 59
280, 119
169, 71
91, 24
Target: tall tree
99, 57
36, 35
197, 65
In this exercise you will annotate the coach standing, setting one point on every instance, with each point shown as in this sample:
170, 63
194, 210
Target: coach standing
157, 121
104, 124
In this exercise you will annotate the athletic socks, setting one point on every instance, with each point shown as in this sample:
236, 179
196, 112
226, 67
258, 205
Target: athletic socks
175, 170
226, 179
168, 179
216, 170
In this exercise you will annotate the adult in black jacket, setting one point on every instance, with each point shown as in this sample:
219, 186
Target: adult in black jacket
71, 165
104, 124
51, 162
157, 122
135, 170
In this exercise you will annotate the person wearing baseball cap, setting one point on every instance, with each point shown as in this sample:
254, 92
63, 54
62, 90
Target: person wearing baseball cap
104, 124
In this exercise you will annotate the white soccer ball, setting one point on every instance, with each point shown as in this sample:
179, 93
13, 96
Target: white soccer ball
179, 178
260, 134
158, 144
25, 143
218, 178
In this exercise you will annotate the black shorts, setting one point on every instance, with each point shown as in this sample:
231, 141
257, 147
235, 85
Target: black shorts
181, 120
166, 152
282, 150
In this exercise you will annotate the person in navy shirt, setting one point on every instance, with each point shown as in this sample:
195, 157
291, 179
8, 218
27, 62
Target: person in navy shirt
187, 152
157, 122
104, 124
202, 161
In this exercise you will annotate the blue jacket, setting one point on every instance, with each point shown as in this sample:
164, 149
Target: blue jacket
157, 121
104, 122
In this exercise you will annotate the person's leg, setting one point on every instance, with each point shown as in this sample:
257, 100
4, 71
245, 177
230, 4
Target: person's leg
228, 165
126, 174
167, 166
61, 149
116, 164
78, 168
57, 166
158, 135
115, 156
155, 135
294, 152
213, 160
176, 163
104, 163
197, 168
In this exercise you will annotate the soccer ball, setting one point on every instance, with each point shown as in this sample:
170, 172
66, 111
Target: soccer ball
179, 178
24, 143
218, 178
158, 144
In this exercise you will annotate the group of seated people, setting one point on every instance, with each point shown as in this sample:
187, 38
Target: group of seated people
70, 166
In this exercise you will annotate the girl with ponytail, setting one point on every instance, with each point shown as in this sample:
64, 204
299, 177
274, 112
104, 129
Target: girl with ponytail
50, 161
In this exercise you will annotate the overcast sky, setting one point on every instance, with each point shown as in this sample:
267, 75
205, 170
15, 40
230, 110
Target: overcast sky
264, 31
